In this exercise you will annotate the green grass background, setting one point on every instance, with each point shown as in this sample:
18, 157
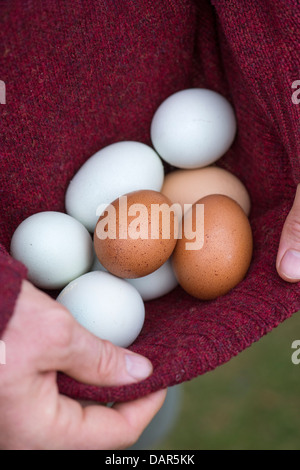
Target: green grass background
252, 402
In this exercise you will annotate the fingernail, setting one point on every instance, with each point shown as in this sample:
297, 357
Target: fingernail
290, 265
138, 366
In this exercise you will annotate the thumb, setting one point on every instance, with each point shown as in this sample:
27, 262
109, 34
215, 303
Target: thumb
288, 257
91, 360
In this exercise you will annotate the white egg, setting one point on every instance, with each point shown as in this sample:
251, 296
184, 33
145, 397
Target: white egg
54, 247
97, 266
193, 128
115, 170
107, 306
155, 285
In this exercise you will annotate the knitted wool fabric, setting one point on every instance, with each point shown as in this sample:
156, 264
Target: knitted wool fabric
82, 75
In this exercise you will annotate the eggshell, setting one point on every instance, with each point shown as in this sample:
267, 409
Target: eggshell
54, 247
97, 266
142, 242
154, 285
222, 260
105, 305
188, 186
117, 169
193, 128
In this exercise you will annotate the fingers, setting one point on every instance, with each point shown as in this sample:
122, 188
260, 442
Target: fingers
102, 428
139, 413
288, 257
55, 341
35, 413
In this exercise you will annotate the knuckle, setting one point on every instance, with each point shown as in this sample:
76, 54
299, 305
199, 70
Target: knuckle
108, 360
130, 435
59, 331
133, 436
292, 225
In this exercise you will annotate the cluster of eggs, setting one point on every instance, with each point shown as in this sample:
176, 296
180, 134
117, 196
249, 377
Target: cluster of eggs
133, 257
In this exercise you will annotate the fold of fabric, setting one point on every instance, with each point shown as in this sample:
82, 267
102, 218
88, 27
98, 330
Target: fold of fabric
82, 75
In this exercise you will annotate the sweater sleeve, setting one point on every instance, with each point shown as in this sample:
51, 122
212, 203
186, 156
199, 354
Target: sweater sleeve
12, 274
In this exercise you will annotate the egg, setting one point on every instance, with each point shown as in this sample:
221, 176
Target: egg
105, 305
54, 247
188, 186
136, 234
97, 266
154, 285
117, 169
214, 252
193, 128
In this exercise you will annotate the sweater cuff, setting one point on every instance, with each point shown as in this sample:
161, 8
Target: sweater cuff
12, 273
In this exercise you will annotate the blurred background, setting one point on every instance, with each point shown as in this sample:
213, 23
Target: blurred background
252, 402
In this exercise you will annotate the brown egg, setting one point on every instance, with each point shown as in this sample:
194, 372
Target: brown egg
136, 234
188, 186
212, 262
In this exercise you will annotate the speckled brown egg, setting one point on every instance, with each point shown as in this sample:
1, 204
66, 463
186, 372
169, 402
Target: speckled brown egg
222, 249
136, 234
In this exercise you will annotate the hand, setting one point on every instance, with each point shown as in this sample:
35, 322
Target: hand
42, 338
288, 257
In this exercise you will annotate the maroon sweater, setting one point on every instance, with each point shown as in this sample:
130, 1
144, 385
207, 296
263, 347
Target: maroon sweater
82, 75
